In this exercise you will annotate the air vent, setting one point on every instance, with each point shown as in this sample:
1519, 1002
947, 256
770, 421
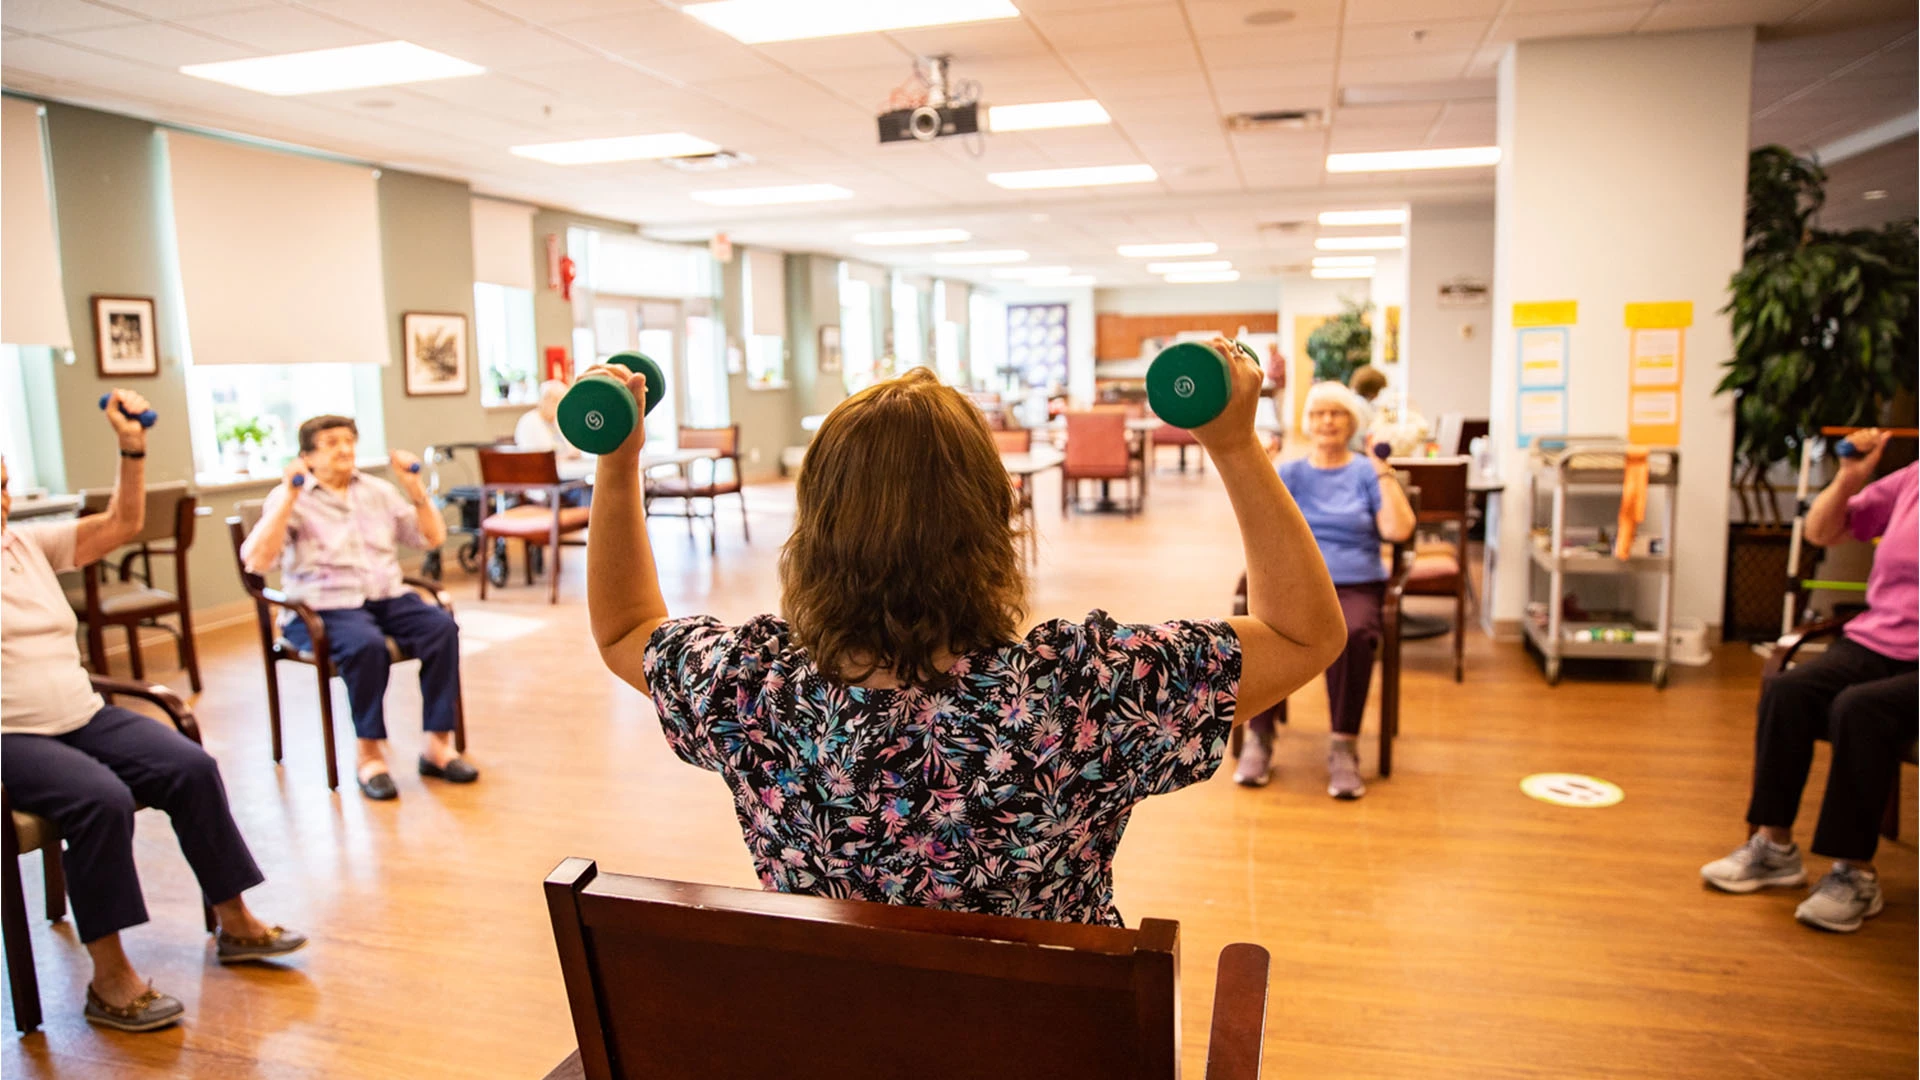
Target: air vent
1277, 120
1282, 226
717, 161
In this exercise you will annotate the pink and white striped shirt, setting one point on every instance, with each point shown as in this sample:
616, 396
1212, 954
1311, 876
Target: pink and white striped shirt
342, 550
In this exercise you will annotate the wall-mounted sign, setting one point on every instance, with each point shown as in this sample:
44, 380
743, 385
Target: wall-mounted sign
1465, 292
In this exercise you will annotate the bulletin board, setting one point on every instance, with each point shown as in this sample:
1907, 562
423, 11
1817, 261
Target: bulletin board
1037, 343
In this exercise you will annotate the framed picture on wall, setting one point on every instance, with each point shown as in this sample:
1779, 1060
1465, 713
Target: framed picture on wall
435, 345
829, 349
126, 340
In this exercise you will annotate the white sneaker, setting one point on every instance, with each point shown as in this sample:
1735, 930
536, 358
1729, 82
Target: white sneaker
1756, 865
1256, 760
1845, 898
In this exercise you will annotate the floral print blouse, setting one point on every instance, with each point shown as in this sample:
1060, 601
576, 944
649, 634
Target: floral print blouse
1004, 792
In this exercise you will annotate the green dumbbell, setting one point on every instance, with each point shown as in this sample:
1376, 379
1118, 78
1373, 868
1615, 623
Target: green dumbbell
599, 412
1189, 384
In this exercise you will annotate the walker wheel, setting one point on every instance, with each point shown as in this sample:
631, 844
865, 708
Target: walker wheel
430, 566
497, 570
470, 556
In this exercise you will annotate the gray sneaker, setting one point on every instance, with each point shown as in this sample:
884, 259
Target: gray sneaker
1844, 899
150, 1011
1755, 865
1343, 771
1256, 760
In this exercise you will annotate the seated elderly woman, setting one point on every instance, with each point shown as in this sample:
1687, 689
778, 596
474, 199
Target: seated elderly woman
1353, 504
68, 756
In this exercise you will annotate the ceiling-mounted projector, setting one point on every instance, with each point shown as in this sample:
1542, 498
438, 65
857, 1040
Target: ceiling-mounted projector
947, 110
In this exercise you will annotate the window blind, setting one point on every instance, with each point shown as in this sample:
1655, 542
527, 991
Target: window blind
768, 292
33, 307
503, 243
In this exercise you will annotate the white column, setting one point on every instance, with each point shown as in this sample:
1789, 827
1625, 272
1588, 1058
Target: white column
1449, 342
1623, 179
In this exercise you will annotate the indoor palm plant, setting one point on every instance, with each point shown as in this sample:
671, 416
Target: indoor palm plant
1342, 343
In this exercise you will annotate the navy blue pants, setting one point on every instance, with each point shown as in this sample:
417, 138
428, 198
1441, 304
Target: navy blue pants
357, 638
87, 782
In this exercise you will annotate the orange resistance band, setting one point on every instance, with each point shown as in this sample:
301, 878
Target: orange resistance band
1633, 501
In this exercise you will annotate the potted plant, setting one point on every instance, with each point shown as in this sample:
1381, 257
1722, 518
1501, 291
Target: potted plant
242, 439
1823, 334
1342, 343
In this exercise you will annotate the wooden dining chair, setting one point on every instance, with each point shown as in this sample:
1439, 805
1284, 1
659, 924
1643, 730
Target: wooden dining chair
269, 602
1098, 449
1020, 441
1440, 565
545, 524
23, 834
669, 979
705, 479
124, 593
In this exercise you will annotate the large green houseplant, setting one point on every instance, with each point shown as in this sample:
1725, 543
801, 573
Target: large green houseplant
1342, 343
1823, 323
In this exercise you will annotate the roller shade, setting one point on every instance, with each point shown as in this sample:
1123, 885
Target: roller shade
503, 243
768, 292
955, 293
875, 277
279, 255
33, 307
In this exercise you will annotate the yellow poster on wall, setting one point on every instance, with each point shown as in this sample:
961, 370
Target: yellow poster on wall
1390, 348
1303, 328
1656, 367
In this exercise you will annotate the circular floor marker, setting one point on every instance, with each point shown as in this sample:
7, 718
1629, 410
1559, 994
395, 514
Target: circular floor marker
1571, 789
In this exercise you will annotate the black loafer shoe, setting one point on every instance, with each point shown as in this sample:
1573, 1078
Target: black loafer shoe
456, 771
379, 787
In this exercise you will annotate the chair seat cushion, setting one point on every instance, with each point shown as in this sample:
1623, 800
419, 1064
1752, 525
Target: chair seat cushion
1434, 568
534, 522
1097, 472
394, 652
680, 487
1173, 436
123, 598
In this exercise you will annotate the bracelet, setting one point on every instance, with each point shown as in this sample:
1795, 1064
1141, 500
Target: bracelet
133, 455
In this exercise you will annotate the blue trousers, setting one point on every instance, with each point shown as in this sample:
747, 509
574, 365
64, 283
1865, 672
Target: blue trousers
357, 639
87, 782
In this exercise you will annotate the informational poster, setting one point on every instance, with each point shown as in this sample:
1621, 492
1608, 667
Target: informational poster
1656, 364
1542, 352
1037, 343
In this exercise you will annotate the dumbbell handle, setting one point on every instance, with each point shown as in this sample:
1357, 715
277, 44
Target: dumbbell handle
146, 417
300, 479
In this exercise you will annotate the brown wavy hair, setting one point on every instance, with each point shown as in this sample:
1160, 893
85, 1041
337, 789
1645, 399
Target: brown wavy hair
903, 540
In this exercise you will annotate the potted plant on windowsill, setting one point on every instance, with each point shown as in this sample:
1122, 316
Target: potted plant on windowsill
1342, 343
1823, 335
243, 439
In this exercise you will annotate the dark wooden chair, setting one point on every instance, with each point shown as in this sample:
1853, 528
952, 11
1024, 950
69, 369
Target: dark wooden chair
1440, 567
1098, 449
667, 979
124, 602
704, 479
545, 524
274, 647
1020, 441
1400, 566
1782, 657
26, 833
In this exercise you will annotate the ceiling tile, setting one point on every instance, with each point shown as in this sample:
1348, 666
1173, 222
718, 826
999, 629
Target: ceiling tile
1433, 68
1361, 12
1412, 38
973, 43
1160, 27
1718, 13
1279, 56
510, 50
61, 16
414, 18
1552, 24
282, 30
157, 44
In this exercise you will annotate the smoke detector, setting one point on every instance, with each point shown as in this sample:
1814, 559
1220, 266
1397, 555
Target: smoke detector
718, 161
1278, 120
1282, 226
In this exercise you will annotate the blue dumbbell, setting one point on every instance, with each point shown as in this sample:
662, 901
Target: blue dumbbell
146, 417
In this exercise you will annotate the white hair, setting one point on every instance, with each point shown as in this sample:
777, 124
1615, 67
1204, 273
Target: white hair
1339, 396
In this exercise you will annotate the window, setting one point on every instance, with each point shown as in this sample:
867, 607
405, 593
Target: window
29, 420
245, 418
856, 331
909, 344
706, 370
504, 342
986, 340
947, 315
763, 303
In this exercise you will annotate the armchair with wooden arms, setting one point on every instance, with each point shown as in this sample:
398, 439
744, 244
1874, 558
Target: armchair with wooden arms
274, 647
1782, 657
668, 979
1400, 569
129, 598
1440, 567
545, 524
703, 479
24, 834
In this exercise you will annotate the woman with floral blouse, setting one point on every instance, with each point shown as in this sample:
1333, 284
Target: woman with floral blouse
892, 736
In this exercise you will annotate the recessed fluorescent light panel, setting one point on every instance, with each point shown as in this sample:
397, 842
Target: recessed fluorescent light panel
1023, 272
758, 21
619, 148
1217, 277
1343, 260
1363, 217
980, 258
772, 196
1046, 114
1198, 267
1360, 243
908, 237
1093, 176
1457, 157
356, 67
1343, 271
1166, 251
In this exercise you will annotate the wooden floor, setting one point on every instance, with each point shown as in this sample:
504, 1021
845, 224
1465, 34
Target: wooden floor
1444, 926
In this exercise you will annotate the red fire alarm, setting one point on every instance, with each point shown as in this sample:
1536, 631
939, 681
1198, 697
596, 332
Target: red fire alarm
557, 366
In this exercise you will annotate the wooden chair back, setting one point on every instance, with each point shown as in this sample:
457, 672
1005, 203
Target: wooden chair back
1471, 429
246, 515
668, 979
1097, 440
723, 440
1443, 486
170, 508
1013, 441
518, 468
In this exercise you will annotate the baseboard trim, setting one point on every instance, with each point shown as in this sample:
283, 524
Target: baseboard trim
205, 620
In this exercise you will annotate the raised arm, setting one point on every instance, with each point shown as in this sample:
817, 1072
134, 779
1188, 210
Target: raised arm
261, 551
624, 602
1395, 517
97, 535
1293, 627
433, 524
1827, 519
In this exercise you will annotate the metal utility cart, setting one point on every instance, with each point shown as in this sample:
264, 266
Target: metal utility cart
1574, 482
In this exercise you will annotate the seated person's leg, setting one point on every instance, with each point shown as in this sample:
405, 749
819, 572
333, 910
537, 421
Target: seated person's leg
1872, 725
359, 652
430, 634
1347, 679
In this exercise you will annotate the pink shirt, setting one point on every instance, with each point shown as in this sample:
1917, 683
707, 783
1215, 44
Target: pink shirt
43, 690
343, 550
1891, 624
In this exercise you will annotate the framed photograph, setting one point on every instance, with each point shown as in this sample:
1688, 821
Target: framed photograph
435, 344
829, 349
125, 337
